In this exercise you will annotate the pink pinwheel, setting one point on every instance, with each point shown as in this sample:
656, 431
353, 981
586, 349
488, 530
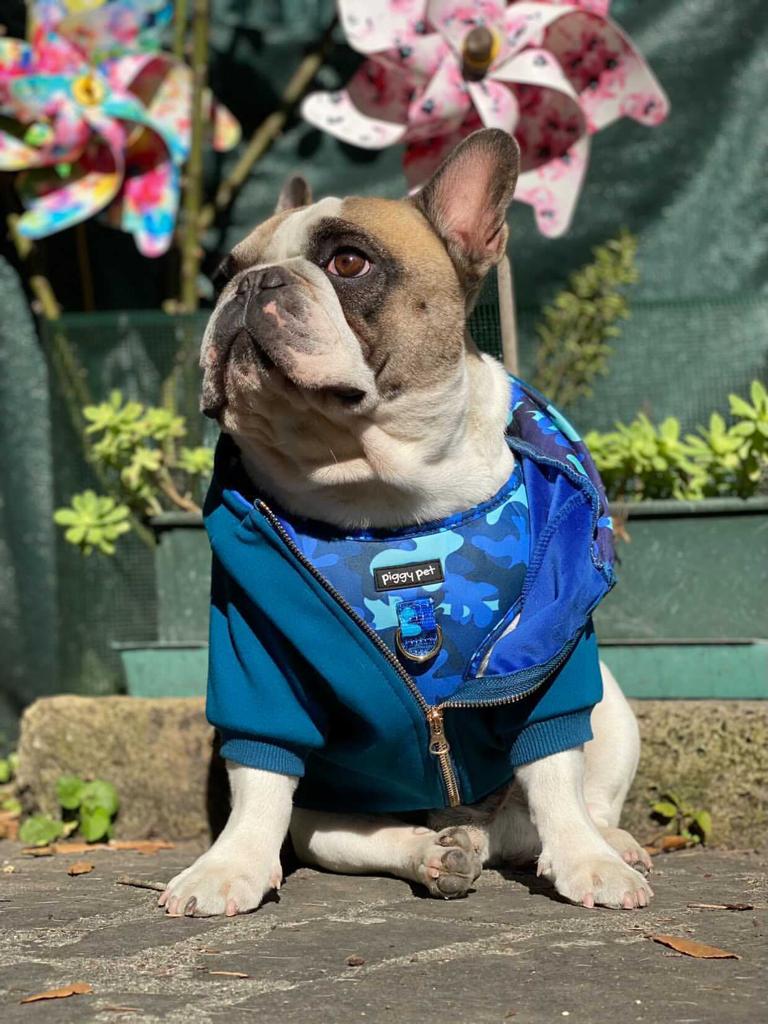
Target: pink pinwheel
549, 73
91, 137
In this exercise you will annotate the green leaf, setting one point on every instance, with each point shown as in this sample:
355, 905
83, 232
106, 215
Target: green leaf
758, 393
5, 771
39, 830
100, 795
69, 790
196, 460
741, 408
12, 804
664, 809
94, 824
703, 821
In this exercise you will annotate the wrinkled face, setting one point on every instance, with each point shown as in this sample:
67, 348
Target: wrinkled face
340, 307
338, 341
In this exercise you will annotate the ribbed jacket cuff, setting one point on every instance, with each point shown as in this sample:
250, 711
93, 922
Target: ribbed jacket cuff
257, 754
539, 739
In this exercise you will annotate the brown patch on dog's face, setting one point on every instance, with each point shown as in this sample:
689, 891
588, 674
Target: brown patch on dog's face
407, 311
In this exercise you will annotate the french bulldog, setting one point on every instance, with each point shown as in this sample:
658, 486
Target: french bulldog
358, 398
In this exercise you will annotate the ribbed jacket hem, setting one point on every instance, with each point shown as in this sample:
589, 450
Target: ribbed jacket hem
540, 739
268, 756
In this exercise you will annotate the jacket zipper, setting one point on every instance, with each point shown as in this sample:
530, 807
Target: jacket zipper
439, 746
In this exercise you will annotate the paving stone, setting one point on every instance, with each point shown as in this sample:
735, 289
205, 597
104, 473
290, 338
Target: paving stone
509, 952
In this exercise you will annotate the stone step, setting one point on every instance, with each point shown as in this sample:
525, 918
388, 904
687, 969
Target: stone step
160, 754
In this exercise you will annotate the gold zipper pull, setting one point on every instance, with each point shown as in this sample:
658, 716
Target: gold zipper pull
438, 741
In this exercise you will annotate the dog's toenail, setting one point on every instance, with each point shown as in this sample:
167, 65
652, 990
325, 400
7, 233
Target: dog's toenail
191, 906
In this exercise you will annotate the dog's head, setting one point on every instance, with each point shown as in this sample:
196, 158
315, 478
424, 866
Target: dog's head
343, 321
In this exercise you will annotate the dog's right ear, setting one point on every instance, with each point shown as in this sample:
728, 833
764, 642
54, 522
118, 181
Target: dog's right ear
294, 193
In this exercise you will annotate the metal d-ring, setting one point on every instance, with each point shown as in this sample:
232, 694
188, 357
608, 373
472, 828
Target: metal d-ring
420, 657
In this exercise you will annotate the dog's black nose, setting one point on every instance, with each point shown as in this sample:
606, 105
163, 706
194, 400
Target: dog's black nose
255, 281
272, 277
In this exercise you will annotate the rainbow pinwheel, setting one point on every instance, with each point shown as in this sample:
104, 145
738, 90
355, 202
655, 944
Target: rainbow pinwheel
94, 128
549, 73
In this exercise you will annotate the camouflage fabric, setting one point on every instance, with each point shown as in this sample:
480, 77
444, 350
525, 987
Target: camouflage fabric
483, 554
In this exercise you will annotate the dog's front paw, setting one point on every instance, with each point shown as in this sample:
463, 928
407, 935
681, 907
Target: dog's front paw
448, 863
601, 881
627, 848
218, 883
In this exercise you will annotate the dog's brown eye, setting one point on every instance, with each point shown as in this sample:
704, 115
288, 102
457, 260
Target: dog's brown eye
348, 263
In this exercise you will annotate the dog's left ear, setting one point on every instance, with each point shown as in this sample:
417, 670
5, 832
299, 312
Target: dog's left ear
294, 193
466, 201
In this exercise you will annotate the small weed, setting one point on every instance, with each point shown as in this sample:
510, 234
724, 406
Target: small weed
87, 807
682, 819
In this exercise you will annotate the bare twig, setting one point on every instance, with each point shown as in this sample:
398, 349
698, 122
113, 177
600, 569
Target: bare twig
140, 883
179, 28
169, 489
39, 284
268, 130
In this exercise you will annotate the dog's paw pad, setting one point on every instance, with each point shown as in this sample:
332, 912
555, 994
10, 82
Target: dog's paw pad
450, 863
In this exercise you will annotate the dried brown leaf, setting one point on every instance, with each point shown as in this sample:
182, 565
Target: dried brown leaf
354, 961
690, 947
38, 851
77, 988
670, 843
80, 867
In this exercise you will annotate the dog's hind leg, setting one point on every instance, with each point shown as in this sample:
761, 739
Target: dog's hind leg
446, 862
610, 763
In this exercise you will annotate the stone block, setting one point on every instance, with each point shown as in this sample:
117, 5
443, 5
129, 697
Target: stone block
160, 753
712, 753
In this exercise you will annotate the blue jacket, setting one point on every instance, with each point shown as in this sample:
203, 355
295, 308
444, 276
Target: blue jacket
300, 684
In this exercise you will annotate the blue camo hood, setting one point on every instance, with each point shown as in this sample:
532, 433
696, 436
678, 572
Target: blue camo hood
294, 683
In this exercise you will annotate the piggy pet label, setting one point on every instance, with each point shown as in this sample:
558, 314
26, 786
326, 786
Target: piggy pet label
400, 577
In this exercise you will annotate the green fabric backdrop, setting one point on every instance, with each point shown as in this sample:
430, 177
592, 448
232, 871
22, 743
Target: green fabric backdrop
693, 190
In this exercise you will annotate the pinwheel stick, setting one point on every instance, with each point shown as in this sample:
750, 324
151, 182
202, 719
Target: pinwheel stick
507, 316
268, 130
190, 246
